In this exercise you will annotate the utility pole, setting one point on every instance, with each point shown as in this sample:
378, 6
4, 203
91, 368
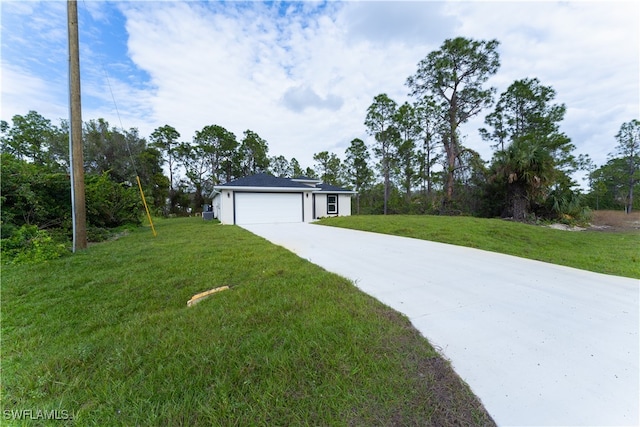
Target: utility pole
79, 213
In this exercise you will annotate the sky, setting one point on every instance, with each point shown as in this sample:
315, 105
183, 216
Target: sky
302, 74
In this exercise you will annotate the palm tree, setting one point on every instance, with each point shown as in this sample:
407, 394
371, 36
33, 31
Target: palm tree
527, 167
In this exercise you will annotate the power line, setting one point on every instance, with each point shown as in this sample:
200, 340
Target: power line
126, 143
115, 104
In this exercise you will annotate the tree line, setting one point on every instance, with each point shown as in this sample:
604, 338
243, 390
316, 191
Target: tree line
416, 161
421, 154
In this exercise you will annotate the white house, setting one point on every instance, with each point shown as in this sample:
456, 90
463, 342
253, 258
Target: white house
264, 198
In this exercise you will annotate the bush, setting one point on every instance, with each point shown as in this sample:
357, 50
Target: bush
110, 204
566, 206
33, 195
28, 244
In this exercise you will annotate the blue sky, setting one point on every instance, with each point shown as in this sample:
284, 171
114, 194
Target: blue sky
302, 74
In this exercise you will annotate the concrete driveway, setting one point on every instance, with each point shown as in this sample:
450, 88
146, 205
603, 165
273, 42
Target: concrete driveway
539, 344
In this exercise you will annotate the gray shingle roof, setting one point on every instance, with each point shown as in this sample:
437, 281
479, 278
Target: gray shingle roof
264, 180
329, 187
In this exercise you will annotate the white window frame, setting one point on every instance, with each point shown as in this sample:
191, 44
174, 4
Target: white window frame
332, 206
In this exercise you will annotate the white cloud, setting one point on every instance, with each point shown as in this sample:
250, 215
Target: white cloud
23, 92
299, 98
302, 74
420, 23
246, 67
587, 51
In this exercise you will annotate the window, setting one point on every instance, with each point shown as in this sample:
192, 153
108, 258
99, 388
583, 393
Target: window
332, 204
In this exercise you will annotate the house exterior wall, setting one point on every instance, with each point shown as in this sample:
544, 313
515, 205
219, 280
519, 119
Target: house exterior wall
308, 207
344, 205
223, 206
321, 205
215, 206
314, 205
226, 206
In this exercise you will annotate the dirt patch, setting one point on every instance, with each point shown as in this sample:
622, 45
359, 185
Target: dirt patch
606, 221
615, 221
566, 227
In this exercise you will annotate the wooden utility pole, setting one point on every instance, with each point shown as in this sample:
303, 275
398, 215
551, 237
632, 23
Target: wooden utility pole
75, 136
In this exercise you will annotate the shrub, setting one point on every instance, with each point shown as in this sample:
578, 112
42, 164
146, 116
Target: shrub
110, 204
28, 244
33, 194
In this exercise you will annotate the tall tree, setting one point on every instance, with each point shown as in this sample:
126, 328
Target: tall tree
329, 168
310, 173
4, 128
165, 138
111, 150
406, 122
470, 182
537, 155
35, 138
380, 124
296, 169
430, 123
58, 146
455, 75
526, 108
280, 166
219, 146
628, 148
609, 185
253, 154
196, 166
152, 178
358, 172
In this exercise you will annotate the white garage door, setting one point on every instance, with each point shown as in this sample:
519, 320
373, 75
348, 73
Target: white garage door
265, 208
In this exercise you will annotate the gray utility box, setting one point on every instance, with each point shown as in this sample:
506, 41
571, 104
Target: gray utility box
207, 216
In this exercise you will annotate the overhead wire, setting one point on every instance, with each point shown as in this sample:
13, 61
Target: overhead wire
144, 200
133, 163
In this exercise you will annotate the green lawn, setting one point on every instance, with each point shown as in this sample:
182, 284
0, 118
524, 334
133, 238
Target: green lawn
106, 336
609, 253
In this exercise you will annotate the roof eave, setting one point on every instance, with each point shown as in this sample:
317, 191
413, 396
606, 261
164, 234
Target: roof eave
337, 191
310, 181
264, 189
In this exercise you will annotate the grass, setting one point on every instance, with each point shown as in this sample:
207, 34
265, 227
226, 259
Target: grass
106, 336
613, 253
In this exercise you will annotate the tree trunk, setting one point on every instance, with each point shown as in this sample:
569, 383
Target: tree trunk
452, 147
451, 164
428, 172
407, 188
386, 190
386, 181
519, 203
170, 172
630, 198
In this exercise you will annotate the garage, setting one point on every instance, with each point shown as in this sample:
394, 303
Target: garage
266, 199
266, 207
